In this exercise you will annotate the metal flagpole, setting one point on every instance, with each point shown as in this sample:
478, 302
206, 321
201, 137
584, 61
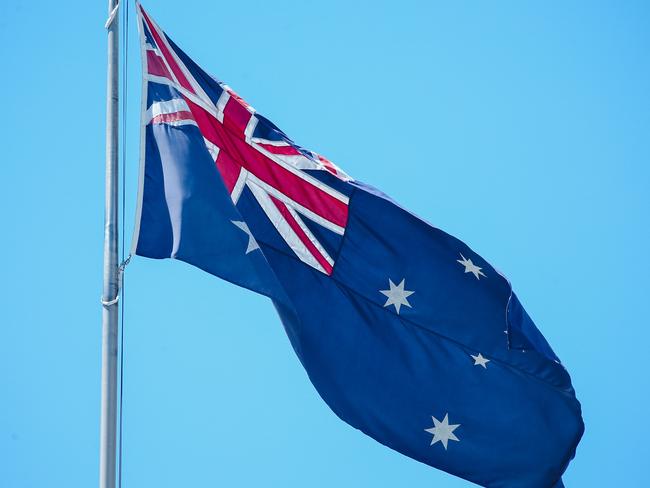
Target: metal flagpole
108, 424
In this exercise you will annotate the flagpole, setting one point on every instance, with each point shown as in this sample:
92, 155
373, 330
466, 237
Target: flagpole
110, 305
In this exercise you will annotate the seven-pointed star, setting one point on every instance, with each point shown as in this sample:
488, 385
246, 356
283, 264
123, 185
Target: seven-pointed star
442, 431
470, 267
252, 243
397, 295
480, 360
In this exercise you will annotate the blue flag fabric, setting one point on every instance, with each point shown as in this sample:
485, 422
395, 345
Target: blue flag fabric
405, 332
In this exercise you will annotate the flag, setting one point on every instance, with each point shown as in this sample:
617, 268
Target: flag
405, 332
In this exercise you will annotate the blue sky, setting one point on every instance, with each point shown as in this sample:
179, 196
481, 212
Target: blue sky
522, 128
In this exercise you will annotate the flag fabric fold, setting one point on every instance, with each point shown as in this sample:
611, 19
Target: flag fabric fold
406, 333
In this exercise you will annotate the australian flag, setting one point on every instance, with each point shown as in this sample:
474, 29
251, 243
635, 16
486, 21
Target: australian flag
405, 332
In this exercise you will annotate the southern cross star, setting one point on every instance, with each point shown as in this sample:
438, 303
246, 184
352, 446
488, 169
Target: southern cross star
480, 360
397, 295
442, 431
252, 243
470, 267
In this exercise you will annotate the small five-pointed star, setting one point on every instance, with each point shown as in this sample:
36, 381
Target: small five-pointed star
397, 295
442, 431
470, 267
479, 360
252, 243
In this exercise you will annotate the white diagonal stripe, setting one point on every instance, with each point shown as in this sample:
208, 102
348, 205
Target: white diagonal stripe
337, 229
213, 149
250, 128
239, 186
310, 236
268, 142
221, 105
283, 227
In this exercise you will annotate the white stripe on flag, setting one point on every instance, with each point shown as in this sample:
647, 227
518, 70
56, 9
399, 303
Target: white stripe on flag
283, 227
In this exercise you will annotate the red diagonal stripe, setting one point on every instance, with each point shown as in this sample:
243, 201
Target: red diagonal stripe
229, 170
168, 56
156, 66
313, 250
236, 115
283, 150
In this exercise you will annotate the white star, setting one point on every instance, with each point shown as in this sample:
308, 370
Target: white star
252, 243
470, 267
480, 360
397, 295
442, 431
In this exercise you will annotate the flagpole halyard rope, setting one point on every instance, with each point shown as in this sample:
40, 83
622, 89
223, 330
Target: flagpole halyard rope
127, 260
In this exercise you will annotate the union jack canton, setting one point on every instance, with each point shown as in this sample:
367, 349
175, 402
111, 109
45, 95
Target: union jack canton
248, 150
